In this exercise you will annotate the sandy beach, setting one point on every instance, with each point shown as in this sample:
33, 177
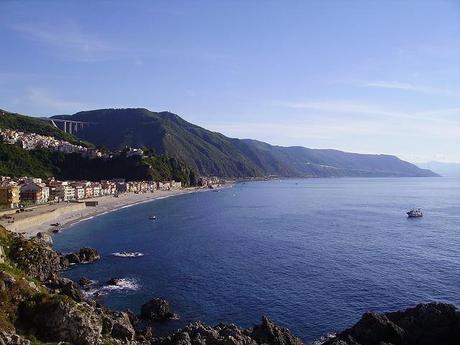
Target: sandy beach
39, 218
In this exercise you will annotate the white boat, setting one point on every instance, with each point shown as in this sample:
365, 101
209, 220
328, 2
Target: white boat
415, 213
152, 217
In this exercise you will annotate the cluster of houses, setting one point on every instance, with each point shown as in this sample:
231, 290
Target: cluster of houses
210, 182
32, 141
25, 191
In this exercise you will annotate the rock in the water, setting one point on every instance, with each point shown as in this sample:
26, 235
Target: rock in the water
113, 281
156, 309
87, 255
72, 258
269, 333
83, 281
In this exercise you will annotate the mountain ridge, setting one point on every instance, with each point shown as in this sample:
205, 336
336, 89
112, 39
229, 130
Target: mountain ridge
212, 153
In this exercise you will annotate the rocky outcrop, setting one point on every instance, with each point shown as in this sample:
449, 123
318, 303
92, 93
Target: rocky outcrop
58, 318
83, 256
12, 339
198, 334
119, 326
64, 286
425, 324
156, 309
84, 282
44, 239
269, 333
35, 259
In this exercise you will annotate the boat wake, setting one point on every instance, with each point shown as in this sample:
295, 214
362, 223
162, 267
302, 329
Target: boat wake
128, 254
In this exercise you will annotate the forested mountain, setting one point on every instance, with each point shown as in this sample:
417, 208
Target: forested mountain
211, 153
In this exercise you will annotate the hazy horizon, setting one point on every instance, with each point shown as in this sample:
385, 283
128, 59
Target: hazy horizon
353, 76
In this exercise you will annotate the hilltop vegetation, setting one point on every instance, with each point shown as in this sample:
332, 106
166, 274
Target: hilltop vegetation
15, 161
211, 153
33, 125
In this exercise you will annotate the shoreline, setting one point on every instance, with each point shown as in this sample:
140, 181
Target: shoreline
69, 214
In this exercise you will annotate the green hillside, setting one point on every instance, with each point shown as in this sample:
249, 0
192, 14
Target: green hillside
15, 161
211, 153
34, 125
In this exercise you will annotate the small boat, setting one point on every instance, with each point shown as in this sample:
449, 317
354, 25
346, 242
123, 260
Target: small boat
153, 217
415, 213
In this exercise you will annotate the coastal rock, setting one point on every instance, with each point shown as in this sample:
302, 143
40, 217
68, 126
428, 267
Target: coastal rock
122, 327
7, 279
431, 323
72, 259
37, 260
44, 239
83, 256
425, 324
156, 309
12, 339
200, 334
64, 286
83, 281
113, 281
374, 328
269, 333
87, 255
66, 320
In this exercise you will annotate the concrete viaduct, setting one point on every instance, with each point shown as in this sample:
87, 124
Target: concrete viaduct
69, 126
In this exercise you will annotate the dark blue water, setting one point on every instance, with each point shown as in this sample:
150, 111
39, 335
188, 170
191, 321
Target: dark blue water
312, 254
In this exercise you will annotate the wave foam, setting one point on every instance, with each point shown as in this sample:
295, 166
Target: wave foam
324, 338
122, 285
128, 254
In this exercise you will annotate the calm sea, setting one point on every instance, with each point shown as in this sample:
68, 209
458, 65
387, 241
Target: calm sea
312, 254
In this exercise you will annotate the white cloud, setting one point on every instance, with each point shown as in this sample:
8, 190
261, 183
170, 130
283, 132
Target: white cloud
42, 98
67, 39
410, 87
446, 115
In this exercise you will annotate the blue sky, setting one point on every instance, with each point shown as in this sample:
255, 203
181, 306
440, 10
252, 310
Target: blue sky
361, 76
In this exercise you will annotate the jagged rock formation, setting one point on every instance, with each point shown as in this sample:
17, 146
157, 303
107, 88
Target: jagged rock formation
199, 334
83, 256
156, 309
425, 324
35, 259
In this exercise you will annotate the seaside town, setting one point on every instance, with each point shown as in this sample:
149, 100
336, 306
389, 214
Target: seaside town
17, 192
28, 191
